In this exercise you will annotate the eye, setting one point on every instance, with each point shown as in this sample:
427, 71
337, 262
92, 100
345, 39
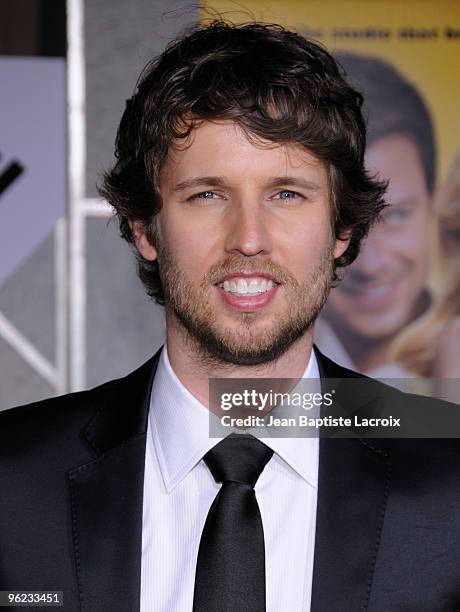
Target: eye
396, 216
287, 194
204, 195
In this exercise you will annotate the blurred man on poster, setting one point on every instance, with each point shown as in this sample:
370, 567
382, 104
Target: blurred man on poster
385, 289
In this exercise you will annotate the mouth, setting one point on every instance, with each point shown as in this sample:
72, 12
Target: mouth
247, 284
247, 292
372, 295
371, 289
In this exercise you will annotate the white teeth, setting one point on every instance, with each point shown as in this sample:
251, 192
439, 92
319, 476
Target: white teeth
378, 290
242, 286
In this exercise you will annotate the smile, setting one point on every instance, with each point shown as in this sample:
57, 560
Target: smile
374, 297
247, 292
370, 290
247, 287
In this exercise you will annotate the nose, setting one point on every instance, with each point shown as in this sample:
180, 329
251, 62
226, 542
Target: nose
371, 259
247, 231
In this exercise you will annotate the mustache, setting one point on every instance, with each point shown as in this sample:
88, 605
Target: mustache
236, 264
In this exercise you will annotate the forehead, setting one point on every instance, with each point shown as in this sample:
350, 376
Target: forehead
395, 154
396, 158
222, 148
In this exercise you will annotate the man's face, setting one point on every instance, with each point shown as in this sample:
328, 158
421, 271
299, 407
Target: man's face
244, 243
381, 290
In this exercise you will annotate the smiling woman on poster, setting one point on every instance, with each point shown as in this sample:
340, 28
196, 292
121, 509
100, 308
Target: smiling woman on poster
431, 347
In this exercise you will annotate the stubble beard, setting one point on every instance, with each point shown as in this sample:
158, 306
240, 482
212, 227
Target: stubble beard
245, 343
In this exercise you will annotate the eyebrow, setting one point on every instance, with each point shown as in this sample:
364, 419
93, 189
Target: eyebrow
199, 181
295, 181
219, 181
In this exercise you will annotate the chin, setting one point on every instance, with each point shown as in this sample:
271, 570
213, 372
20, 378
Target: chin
248, 355
378, 331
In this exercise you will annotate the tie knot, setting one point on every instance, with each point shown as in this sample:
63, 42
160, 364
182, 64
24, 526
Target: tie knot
239, 458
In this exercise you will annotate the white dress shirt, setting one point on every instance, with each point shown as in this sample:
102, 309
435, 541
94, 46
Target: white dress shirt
179, 490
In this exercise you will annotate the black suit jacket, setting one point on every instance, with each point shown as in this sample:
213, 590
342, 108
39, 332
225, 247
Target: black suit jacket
71, 485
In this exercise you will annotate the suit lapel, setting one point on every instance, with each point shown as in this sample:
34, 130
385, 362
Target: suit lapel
353, 486
106, 496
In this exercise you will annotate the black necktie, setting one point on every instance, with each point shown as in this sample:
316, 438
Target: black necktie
230, 571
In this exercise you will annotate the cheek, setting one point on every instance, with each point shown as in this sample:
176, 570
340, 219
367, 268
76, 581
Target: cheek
304, 251
193, 248
188, 225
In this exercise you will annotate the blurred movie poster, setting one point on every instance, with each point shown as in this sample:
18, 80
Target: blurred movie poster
33, 194
396, 313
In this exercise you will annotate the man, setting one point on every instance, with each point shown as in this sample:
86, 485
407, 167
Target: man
385, 289
240, 182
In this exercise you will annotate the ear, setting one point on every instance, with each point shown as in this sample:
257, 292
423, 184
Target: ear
144, 247
341, 244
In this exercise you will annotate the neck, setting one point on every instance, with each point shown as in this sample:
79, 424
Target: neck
194, 370
368, 357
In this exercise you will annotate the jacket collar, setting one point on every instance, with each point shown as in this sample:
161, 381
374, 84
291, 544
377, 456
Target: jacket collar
123, 408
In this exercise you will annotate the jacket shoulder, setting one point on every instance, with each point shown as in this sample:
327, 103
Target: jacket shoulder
78, 398
50, 428
54, 406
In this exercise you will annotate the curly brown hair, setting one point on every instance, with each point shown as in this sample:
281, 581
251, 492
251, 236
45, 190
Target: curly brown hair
277, 86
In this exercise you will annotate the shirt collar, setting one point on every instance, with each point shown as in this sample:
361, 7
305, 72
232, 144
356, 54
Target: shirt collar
179, 426
300, 453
